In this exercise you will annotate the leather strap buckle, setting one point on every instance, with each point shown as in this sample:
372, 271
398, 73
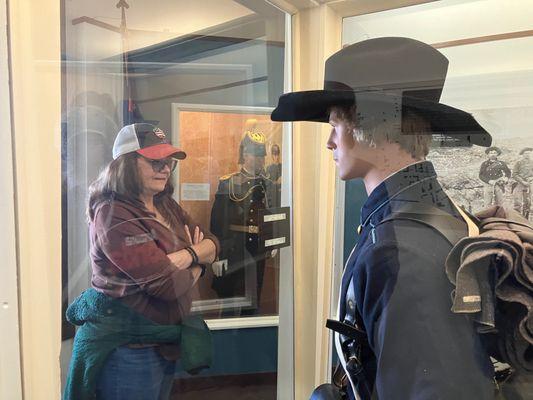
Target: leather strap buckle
244, 228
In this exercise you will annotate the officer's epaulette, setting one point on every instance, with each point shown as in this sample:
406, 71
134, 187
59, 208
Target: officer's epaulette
225, 177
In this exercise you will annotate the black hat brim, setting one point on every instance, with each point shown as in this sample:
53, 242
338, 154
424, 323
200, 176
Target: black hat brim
314, 105
310, 105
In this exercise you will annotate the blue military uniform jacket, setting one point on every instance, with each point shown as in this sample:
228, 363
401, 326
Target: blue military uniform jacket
235, 222
417, 348
238, 201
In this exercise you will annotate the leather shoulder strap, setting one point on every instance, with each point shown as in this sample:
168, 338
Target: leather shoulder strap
472, 222
450, 227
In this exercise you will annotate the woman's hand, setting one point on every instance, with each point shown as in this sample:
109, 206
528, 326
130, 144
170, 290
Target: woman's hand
196, 272
182, 259
198, 235
205, 249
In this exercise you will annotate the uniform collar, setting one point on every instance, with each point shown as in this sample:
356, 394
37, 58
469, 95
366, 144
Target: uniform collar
251, 175
395, 185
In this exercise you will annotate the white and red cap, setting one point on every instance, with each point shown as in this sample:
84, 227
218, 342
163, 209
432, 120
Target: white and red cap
147, 140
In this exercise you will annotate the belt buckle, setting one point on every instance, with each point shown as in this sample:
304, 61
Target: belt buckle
253, 229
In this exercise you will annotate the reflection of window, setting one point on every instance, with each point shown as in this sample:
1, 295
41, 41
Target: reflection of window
211, 136
231, 55
208, 52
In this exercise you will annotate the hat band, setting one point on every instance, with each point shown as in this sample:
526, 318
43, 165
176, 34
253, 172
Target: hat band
334, 85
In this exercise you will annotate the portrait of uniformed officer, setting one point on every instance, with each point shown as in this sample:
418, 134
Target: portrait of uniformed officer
495, 174
523, 176
234, 220
274, 170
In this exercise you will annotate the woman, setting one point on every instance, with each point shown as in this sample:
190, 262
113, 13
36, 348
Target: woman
147, 252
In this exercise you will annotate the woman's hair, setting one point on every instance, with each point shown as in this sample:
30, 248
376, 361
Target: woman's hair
121, 178
414, 135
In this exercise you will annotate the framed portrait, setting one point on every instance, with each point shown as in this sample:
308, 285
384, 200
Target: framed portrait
211, 136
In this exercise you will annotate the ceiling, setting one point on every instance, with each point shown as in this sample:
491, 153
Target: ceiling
346, 8
152, 22
91, 27
170, 17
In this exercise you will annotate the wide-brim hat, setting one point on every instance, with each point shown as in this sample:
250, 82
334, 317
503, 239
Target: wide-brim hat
384, 78
525, 149
147, 140
493, 148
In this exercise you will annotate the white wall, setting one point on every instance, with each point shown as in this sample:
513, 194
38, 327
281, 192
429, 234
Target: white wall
10, 379
36, 103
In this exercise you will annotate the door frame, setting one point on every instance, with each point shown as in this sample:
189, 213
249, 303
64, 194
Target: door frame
10, 365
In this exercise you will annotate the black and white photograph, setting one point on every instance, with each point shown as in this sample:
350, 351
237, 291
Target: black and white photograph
477, 178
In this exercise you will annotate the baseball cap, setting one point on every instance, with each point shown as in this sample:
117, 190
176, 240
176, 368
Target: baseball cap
147, 140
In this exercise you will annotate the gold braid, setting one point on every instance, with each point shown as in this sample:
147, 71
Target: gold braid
232, 195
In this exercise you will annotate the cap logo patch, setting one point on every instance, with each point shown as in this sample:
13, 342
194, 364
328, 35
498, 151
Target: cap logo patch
159, 133
256, 137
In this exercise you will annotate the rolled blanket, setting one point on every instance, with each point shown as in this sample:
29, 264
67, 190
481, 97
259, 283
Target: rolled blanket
493, 278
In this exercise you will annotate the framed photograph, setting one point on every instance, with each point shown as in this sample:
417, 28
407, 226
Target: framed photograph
476, 177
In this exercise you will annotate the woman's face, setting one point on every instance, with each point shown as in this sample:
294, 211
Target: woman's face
153, 180
253, 163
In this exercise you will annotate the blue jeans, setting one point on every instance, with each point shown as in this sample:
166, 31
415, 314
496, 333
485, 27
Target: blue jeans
135, 374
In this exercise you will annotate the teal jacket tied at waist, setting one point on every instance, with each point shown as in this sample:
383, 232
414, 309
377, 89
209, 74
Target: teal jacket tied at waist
105, 324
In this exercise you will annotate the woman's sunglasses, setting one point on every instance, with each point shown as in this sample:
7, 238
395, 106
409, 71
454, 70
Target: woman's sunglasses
159, 165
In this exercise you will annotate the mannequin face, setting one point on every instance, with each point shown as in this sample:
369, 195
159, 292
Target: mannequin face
252, 163
353, 159
526, 155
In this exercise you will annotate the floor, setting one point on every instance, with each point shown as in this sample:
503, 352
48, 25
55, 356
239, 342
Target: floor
238, 387
254, 392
